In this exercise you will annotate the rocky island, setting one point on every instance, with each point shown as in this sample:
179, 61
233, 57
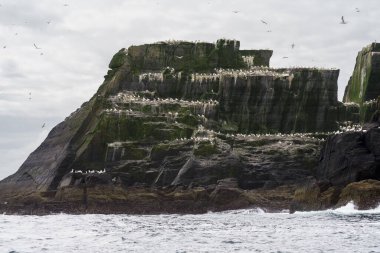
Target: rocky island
185, 127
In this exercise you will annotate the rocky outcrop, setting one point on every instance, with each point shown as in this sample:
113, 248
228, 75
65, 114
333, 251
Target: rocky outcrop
349, 165
348, 170
365, 194
364, 82
350, 157
364, 85
190, 127
201, 56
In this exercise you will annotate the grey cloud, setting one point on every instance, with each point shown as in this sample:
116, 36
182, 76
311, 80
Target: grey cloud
10, 69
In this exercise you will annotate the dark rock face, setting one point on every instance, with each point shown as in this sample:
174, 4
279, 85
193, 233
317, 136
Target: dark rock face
349, 112
195, 56
167, 132
350, 157
347, 162
349, 166
297, 100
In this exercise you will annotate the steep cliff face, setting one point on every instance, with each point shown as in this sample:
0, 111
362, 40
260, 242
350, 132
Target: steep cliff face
364, 85
285, 100
180, 114
191, 56
350, 157
349, 168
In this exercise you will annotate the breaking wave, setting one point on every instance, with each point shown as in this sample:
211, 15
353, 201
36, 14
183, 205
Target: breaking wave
345, 229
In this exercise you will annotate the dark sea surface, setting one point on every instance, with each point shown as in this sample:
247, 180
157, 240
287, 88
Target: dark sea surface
251, 230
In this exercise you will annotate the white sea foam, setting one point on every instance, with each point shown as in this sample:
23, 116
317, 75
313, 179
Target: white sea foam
248, 230
348, 209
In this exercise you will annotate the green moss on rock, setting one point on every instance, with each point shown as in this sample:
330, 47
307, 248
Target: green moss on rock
206, 149
118, 59
364, 83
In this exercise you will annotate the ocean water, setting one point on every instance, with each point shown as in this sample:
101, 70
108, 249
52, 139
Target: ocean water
252, 230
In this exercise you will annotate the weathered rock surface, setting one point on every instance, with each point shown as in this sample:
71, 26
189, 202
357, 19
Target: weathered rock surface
350, 157
349, 165
348, 170
364, 194
191, 127
364, 85
294, 100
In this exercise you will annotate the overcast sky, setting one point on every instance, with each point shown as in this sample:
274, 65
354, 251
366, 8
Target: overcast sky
78, 38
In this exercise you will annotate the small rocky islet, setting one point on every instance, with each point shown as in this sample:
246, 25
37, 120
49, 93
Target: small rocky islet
191, 127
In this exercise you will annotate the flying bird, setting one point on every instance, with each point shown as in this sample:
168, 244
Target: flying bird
264, 22
65, 5
30, 95
36, 46
357, 10
235, 12
285, 57
269, 31
48, 22
343, 22
293, 46
43, 125
179, 57
4, 46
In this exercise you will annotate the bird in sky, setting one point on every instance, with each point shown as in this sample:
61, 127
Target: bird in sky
48, 22
293, 46
285, 57
357, 10
264, 22
343, 22
4, 46
43, 125
235, 12
65, 5
269, 31
36, 46
30, 96
179, 57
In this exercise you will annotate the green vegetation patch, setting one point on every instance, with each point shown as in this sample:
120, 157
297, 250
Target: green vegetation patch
206, 149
